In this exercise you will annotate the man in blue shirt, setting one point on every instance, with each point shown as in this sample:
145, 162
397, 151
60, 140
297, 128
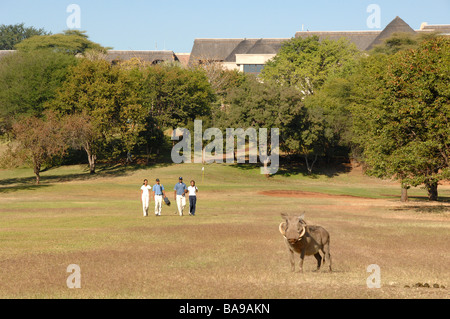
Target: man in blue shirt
180, 191
158, 193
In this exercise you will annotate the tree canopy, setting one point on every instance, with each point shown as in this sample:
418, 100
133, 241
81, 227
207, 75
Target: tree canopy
106, 97
38, 140
390, 106
401, 41
28, 80
10, 35
70, 41
174, 95
402, 115
306, 63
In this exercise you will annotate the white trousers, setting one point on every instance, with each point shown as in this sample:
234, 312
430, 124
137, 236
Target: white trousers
145, 203
158, 204
181, 203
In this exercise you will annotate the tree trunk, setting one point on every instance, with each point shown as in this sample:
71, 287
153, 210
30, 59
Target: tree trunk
404, 197
310, 167
37, 170
432, 188
91, 158
147, 151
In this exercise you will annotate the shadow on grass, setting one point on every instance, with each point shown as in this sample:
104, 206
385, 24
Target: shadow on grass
295, 165
21, 188
424, 199
29, 183
420, 199
425, 209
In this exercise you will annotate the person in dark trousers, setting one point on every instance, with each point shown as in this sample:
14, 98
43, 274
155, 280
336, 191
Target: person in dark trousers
193, 190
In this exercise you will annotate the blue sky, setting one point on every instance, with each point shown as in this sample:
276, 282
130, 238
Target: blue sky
174, 24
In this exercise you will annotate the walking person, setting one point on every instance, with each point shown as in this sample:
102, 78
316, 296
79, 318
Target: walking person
193, 190
158, 193
145, 197
180, 191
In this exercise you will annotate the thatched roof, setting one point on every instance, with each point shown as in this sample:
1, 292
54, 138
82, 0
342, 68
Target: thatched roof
212, 49
267, 46
362, 39
147, 56
241, 48
225, 50
117, 55
183, 58
439, 28
396, 26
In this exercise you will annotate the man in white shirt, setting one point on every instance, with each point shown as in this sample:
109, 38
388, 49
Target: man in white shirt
145, 197
192, 189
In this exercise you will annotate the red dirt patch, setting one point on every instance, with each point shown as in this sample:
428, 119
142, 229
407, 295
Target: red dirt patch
302, 194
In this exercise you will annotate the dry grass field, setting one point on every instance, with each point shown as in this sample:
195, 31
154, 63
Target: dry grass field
231, 249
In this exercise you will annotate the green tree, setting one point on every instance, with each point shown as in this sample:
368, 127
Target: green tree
37, 141
28, 80
257, 104
402, 41
220, 79
402, 115
306, 63
10, 35
70, 41
265, 105
107, 102
174, 95
372, 144
82, 135
329, 117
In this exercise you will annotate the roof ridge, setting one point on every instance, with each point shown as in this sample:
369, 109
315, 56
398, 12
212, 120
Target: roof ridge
395, 26
340, 31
